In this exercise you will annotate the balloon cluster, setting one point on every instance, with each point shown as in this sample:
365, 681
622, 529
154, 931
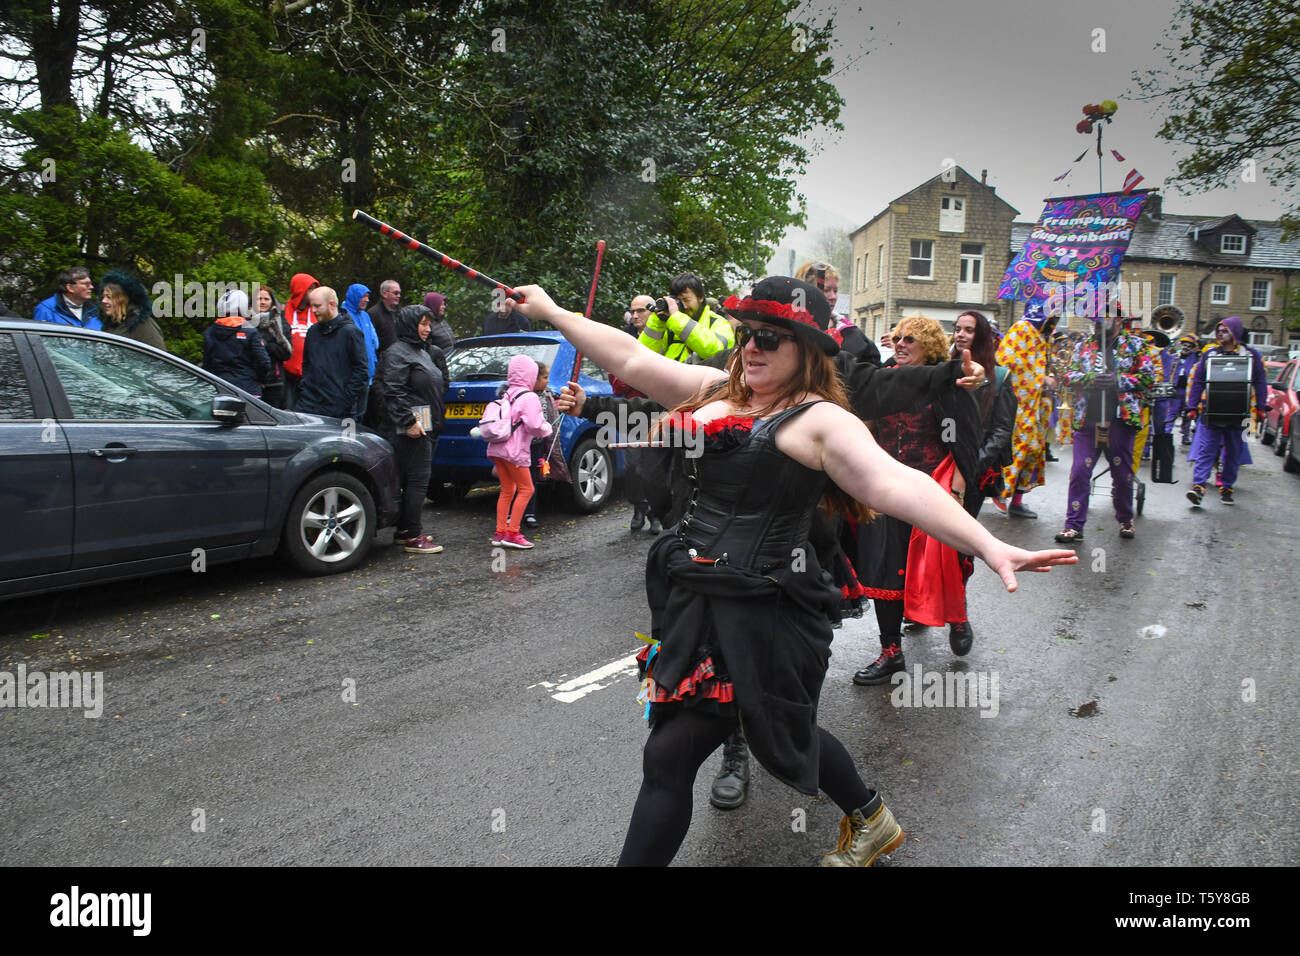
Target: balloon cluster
1096, 113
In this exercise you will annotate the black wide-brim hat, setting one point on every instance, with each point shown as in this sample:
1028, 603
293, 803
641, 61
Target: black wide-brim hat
792, 304
1160, 338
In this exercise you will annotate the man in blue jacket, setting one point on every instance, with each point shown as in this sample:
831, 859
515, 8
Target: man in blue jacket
334, 364
73, 303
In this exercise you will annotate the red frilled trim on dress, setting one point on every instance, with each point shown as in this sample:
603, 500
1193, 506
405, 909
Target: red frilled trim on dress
701, 682
883, 594
851, 592
728, 422
781, 310
686, 422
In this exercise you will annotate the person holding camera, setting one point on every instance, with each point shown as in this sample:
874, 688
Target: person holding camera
682, 327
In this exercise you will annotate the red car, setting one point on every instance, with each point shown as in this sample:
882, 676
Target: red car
1282, 406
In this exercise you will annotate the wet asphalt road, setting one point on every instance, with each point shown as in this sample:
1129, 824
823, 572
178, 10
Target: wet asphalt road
225, 705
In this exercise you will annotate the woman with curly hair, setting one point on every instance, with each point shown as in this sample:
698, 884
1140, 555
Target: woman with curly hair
742, 630
903, 571
125, 309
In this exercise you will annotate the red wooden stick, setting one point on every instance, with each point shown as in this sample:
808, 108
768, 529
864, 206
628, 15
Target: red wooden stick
591, 301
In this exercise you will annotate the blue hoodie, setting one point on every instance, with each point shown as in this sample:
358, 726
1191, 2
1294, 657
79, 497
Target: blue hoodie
352, 306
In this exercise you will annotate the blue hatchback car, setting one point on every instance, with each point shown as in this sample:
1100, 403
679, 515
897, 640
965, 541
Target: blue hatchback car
478, 370
120, 460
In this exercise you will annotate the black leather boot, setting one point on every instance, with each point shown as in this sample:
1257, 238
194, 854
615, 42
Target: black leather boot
960, 637
889, 662
732, 782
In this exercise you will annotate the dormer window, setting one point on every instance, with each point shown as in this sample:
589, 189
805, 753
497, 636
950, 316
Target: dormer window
1233, 244
952, 214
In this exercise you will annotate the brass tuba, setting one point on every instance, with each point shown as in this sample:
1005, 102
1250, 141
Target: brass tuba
1170, 320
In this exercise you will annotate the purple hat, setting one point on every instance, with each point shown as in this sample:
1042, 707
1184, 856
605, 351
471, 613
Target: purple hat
433, 302
1236, 327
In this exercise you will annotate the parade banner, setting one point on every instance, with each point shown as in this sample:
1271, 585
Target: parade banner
1078, 243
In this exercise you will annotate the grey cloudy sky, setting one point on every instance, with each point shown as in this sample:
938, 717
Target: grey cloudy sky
998, 85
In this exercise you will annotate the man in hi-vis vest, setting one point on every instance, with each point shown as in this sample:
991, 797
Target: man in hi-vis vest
691, 332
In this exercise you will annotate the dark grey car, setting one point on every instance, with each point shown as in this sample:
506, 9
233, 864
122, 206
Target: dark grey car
119, 460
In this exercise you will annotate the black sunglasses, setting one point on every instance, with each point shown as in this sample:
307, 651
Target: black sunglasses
767, 340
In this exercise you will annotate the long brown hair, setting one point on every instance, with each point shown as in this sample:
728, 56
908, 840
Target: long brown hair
815, 375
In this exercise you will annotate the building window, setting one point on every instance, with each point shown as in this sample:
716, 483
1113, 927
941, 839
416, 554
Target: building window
1233, 244
1259, 293
1259, 338
952, 214
880, 264
1220, 293
862, 282
921, 265
1166, 294
972, 263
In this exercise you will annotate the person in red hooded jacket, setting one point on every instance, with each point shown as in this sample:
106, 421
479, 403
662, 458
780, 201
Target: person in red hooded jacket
299, 317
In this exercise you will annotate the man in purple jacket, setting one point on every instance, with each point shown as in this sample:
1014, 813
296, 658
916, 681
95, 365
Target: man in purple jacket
1229, 339
1188, 356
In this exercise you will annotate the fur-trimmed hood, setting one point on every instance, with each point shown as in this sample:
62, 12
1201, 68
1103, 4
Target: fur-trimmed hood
138, 306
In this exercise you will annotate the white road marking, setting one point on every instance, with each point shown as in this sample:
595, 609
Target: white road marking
578, 687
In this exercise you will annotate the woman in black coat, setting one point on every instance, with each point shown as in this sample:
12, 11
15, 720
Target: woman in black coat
414, 378
997, 408
268, 318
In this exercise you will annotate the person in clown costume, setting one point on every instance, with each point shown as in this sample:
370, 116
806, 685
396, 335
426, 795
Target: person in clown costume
1025, 352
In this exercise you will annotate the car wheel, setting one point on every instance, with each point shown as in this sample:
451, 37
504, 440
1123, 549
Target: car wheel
1279, 447
592, 469
1290, 464
1266, 437
330, 525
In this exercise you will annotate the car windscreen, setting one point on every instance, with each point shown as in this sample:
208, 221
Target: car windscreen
490, 361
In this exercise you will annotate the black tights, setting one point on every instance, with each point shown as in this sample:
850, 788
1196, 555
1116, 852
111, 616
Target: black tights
679, 744
889, 618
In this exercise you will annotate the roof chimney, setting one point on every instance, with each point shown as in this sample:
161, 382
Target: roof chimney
1154, 205
984, 177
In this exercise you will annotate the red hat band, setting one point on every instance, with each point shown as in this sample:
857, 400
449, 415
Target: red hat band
780, 310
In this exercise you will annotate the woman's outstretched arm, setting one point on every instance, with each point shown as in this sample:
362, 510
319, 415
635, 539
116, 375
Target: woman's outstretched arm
668, 382
834, 440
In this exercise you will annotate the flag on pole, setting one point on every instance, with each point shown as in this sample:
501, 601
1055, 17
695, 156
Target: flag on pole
1131, 181
1115, 153
1067, 172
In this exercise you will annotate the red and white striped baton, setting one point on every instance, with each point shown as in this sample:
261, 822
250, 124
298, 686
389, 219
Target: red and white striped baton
415, 245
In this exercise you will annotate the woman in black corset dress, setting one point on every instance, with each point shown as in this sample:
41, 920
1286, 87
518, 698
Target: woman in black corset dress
738, 603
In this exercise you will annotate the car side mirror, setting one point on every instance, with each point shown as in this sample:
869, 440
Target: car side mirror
227, 409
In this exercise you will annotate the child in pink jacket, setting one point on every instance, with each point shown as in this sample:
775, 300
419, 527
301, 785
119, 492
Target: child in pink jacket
512, 456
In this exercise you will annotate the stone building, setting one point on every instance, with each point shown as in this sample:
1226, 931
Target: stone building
936, 251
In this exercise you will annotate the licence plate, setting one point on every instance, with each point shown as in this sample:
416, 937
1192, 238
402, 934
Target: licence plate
473, 410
